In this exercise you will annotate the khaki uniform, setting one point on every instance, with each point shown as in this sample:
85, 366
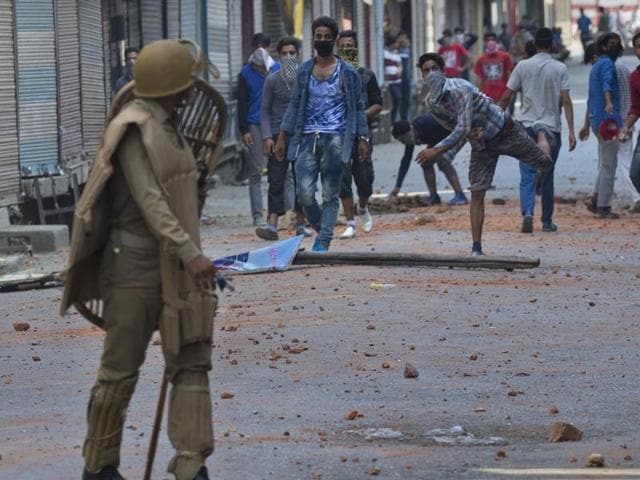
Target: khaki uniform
143, 187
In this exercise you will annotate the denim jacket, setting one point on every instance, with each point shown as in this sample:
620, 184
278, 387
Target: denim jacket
294, 118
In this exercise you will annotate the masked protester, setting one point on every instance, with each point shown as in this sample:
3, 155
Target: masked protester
469, 114
250, 84
276, 96
360, 171
493, 68
130, 54
136, 246
324, 122
604, 107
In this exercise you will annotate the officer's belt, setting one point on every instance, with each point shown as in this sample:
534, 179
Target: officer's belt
131, 240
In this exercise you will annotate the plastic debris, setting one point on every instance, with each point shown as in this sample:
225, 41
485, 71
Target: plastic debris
457, 435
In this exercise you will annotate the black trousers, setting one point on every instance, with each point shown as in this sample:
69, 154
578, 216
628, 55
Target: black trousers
360, 172
277, 175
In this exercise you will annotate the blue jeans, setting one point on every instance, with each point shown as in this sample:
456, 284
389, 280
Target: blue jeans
528, 181
320, 154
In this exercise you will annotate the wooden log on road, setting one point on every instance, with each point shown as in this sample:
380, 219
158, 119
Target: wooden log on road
388, 259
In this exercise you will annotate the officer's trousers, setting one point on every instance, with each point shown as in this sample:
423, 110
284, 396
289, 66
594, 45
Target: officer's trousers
131, 289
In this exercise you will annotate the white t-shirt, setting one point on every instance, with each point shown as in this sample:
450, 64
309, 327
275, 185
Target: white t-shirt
541, 78
392, 67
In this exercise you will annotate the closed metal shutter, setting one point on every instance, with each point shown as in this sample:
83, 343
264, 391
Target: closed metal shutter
273, 18
189, 20
9, 159
151, 11
68, 55
134, 32
37, 90
218, 36
235, 47
92, 68
173, 18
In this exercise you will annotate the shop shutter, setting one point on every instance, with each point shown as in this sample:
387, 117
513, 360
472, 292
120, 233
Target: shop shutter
218, 41
189, 20
235, 46
133, 24
151, 11
68, 55
9, 159
92, 68
173, 18
37, 90
273, 18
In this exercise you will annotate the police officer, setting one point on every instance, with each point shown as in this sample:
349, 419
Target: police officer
138, 220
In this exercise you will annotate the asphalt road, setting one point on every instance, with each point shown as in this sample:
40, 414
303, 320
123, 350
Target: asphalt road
498, 352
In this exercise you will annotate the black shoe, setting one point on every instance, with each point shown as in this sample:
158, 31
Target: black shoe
527, 224
266, 233
202, 474
107, 473
607, 214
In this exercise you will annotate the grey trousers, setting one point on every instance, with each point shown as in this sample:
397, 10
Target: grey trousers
607, 164
256, 165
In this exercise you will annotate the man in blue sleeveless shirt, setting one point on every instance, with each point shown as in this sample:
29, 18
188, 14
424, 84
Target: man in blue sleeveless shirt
322, 123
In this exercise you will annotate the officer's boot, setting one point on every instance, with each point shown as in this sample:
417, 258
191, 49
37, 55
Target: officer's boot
202, 474
107, 473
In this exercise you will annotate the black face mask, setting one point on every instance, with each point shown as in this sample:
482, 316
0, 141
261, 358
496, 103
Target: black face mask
323, 47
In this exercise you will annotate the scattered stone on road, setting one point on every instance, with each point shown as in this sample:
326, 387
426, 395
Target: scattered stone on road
564, 432
423, 219
374, 471
410, 371
595, 460
499, 201
553, 410
480, 409
501, 454
21, 326
353, 414
227, 395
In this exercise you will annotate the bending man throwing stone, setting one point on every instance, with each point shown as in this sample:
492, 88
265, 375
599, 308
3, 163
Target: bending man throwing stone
460, 107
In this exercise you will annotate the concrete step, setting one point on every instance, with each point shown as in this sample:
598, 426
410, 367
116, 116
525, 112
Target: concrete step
39, 238
10, 263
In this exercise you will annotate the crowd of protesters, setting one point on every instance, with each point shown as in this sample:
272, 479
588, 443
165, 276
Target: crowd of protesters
312, 121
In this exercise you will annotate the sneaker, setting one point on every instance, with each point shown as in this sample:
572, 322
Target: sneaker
435, 200
527, 224
476, 253
349, 232
319, 247
107, 473
366, 221
549, 227
606, 214
259, 221
302, 230
459, 199
266, 233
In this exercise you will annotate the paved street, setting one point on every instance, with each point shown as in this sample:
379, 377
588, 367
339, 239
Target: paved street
502, 354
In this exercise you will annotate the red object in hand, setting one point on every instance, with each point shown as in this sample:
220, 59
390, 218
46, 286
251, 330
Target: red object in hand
608, 130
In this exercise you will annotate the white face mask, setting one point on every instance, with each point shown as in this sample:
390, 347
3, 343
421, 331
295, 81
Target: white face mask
459, 38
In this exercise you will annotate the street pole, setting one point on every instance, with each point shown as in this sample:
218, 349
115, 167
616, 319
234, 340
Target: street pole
378, 13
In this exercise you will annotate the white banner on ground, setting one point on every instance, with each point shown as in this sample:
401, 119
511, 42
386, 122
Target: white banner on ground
277, 256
